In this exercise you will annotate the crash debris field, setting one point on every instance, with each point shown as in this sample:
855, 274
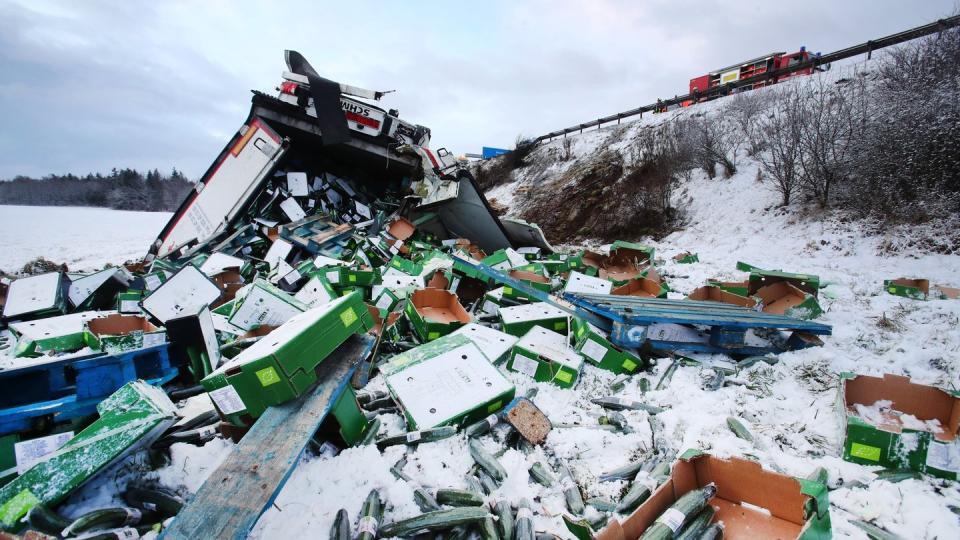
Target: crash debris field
337, 335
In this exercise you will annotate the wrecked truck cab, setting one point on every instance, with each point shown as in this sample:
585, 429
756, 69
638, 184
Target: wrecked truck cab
315, 124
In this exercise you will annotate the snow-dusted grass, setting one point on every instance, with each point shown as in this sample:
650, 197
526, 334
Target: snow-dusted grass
83, 238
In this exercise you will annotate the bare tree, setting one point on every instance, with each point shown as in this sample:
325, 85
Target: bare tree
781, 134
746, 111
715, 141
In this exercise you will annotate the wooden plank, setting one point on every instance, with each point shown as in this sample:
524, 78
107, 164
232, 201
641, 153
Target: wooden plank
232, 499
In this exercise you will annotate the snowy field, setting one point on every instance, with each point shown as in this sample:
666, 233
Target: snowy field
83, 238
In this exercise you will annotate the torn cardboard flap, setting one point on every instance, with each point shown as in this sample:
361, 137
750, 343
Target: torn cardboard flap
642, 287
712, 293
737, 481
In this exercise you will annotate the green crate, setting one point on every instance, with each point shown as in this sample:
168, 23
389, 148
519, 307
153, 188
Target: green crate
547, 357
596, 349
435, 312
918, 289
518, 320
495, 344
533, 279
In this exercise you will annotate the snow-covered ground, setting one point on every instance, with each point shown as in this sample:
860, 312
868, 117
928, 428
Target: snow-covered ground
83, 238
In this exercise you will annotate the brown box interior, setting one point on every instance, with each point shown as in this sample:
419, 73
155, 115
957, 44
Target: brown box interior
922, 284
439, 306
952, 293
643, 287
779, 297
737, 481
119, 325
529, 276
679, 256
710, 293
438, 281
230, 281
401, 229
924, 402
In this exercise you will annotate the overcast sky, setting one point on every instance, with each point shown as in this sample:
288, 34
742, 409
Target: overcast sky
89, 85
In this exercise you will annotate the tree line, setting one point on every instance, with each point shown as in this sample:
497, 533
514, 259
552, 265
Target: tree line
122, 189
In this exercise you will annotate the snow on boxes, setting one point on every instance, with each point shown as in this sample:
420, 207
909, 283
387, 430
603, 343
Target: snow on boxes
445, 382
547, 357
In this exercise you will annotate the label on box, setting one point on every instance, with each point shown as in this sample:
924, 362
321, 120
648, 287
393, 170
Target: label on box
293, 277
593, 350
673, 518
525, 365
151, 281
129, 306
29, 453
385, 301
154, 338
490, 307
227, 400
333, 276
944, 456
327, 449
292, 209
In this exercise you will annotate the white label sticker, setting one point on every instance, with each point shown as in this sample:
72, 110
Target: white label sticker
297, 184
133, 516
292, 277
490, 307
525, 365
227, 400
594, 351
154, 338
944, 456
492, 420
672, 518
413, 436
126, 533
152, 281
29, 453
333, 276
385, 301
327, 449
129, 306
207, 431
368, 524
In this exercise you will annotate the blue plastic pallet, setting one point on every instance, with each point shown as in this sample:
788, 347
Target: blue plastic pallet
73, 387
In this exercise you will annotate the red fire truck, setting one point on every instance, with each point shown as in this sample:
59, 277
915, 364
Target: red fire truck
750, 68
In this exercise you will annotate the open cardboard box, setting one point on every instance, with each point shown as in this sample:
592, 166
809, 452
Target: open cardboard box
435, 312
400, 230
741, 288
889, 443
783, 298
532, 279
808, 283
643, 287
910, 288
121, 332
793, 508
712, 293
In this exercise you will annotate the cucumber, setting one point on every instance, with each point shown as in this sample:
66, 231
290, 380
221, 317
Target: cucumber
738, 429
487, 482
434, 521
540, 473
417, 437
661, 469
644, 385
531, 392
634, 498
340, 530
483, 426
459, 497
488, 530
474, 484
616, 420
667, 375
425, 501
504, 518
571, 492
897, 475
619, 383
397, 470
370, 515
366, 397
486, 461
697, 525
46, 520
370, 434
523, 527
875, 532
626, 472
105, 518
166, 504
679, 514
602, 505
713, 532
377, 404
460, 533
579, 528
622, 404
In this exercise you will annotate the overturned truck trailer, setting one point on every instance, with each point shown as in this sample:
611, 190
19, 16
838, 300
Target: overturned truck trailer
332, 132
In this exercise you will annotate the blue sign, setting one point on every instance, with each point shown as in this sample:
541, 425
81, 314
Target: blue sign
489, 152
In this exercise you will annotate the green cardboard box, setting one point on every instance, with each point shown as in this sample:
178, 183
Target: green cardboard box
547, 357
752, 503
739, 288
533, 279
518, 320
129, 302
448, 381
492, 301
578, 283
263, 304
59, 334
686, 258
316, 292
634, 249
596, 349
36, 296
918, 289
783, 298
435, 312
281, 365
808, 283
130, 419
504, 259
117, 333
495, 344
887, 438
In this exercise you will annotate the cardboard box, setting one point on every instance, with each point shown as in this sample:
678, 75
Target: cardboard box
783, 298
792, 508
52, 334
494, 343
518, 320
316, 292
584, 284
130, 419
686, 258
116, 333
642, 287
533, 279
632, 249
504, 259
448, 381
186, 293
946, 293
36, 296
740, 288
261, 303
886, 439
712, 293
281, 366
97, 290
435, 312
595, 348
547, 357
808, 283
918, 289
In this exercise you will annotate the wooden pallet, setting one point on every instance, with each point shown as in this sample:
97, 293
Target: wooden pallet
232, 499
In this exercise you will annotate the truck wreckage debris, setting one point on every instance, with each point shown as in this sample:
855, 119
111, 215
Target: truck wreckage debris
327, 244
